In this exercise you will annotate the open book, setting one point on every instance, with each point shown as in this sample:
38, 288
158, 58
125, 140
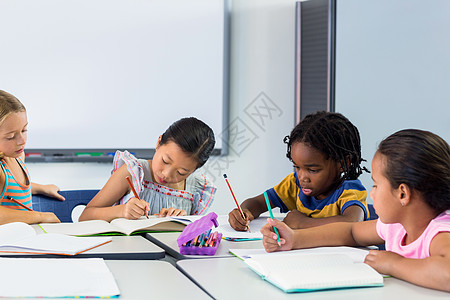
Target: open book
297, 271
119, 226
20, 237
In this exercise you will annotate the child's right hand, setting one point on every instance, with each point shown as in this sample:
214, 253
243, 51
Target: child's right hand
48, 217
270, 238
236, 221
135, 208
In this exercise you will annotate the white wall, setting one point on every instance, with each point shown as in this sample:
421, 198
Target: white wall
262, 76
384, 75
393, 68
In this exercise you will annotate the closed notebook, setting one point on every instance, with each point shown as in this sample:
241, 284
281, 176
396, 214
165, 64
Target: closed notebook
19, 237
119, 226
312, 272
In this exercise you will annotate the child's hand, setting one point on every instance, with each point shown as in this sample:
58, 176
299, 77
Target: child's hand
294, 219
270, 238
52, 190
135, 208
171, 212
236, 221
48, 217
382, 261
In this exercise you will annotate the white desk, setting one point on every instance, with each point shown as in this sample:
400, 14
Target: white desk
168, 241
121, 247
226, 278
150, 279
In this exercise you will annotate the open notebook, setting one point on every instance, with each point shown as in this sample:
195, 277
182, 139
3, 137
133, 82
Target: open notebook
57, 277
19, 237
312, 269
119, 226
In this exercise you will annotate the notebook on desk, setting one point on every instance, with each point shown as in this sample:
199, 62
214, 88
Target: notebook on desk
18, 237
312, 269
119, 226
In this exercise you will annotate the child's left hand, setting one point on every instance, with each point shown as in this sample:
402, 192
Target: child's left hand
171, 212
295, 219
382, 261
51, 190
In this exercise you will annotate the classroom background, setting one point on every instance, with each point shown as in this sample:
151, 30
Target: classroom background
392, 72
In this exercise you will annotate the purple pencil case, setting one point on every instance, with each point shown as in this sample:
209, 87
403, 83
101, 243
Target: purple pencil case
195, 229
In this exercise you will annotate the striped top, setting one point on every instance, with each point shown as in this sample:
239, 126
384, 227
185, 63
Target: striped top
196, 199
15, 189
288, 195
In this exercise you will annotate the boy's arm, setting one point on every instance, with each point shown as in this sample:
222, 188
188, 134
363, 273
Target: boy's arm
432, 272
298, 220
8, 215
252, 208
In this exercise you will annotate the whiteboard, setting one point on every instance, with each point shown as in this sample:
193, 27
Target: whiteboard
114, 74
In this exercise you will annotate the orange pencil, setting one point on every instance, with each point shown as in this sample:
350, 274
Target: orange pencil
11, 198
134, 192
237, 204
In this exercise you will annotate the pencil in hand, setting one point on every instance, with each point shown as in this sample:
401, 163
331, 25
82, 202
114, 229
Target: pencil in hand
269, 208
237, 204
135, 193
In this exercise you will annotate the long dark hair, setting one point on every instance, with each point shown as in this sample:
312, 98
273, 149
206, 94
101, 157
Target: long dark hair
421, 160
193, 136
335, 136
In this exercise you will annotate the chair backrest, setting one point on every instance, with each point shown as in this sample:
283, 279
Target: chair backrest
63, 209
373, 214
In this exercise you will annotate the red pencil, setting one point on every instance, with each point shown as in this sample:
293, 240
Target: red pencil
237, 204
134, 191
11, 198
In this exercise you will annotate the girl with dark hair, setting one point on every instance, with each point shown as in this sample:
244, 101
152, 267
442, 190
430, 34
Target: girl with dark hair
326, 152
411, 194
167, 184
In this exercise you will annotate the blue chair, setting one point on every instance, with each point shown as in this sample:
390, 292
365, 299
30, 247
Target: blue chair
63, 209
373, 215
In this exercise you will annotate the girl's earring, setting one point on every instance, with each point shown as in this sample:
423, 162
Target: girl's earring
403, 204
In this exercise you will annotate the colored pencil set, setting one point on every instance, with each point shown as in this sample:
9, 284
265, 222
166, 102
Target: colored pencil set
206, 239
198, 238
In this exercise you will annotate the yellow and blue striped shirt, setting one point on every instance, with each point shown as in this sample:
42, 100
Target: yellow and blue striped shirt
287, 195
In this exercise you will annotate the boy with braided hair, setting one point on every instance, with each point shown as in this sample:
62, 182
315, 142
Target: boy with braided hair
325, 149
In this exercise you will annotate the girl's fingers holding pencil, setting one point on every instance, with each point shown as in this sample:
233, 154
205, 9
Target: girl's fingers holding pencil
270, 238
135, 208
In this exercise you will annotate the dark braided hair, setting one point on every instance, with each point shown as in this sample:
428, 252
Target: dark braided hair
421, 160
335, 136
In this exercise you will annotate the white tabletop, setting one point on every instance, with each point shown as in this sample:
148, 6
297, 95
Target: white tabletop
150, 279
227, 278
121, 247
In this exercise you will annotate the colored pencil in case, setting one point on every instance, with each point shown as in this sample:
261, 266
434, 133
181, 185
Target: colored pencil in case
237, 204
134, 192
214, 239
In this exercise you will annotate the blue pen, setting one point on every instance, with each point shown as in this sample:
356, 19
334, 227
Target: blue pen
269, 208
